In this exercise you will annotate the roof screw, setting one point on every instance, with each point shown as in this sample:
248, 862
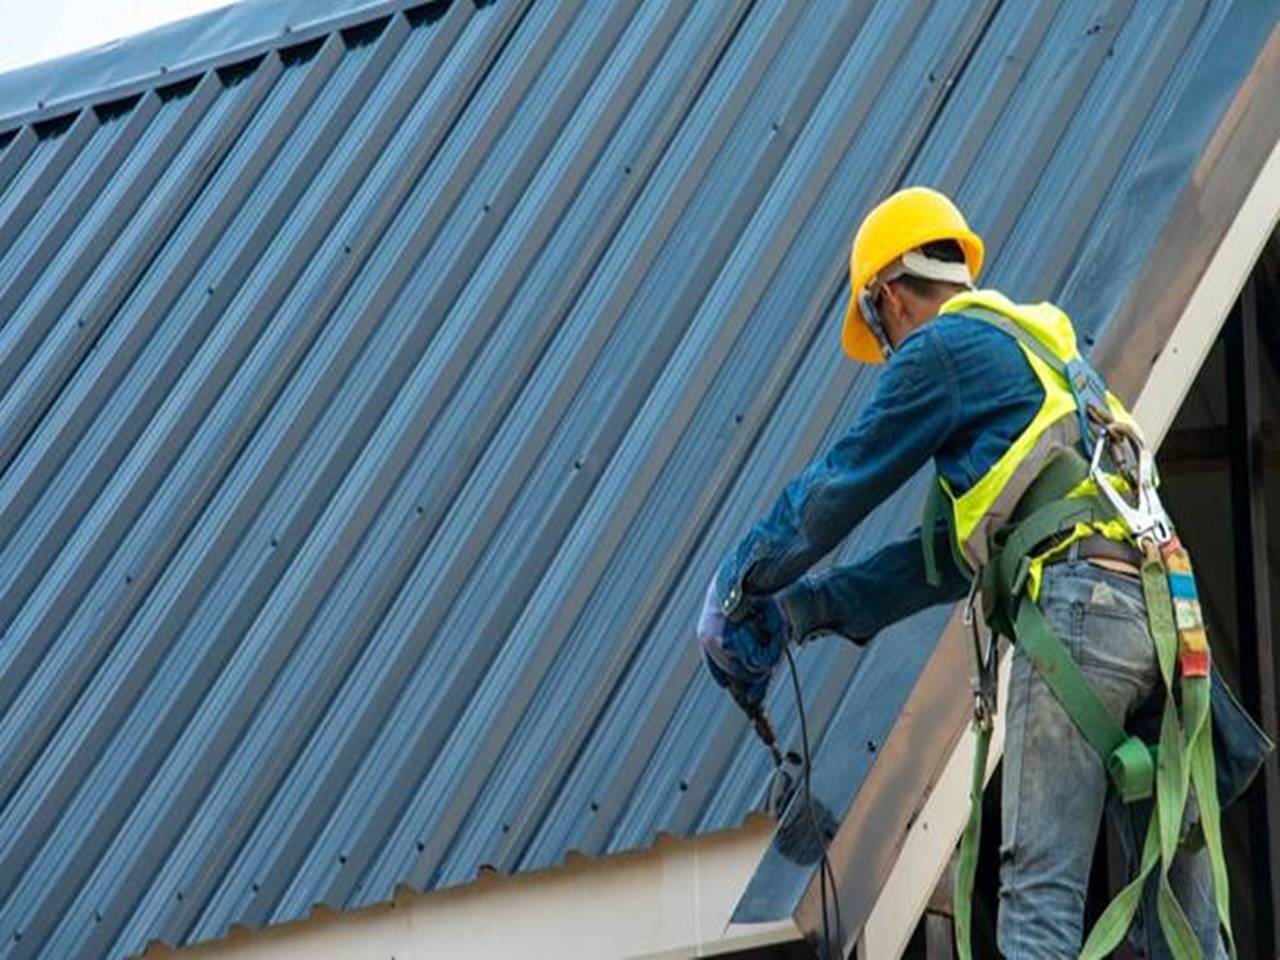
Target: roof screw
871, 746
288, 29
421, 846
179, 896
595, 807
164, 69
275, 542
627, 169
577, 464
342, 859
128, 578
683, 786
737, 418
39, 106
506, 828
256, 886
418, 509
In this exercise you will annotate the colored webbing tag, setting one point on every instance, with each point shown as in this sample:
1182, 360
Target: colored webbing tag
1193, 643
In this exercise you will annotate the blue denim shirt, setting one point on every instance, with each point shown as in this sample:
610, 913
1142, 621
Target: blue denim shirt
957, 390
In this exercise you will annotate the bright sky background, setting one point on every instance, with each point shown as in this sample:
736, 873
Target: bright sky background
36, 30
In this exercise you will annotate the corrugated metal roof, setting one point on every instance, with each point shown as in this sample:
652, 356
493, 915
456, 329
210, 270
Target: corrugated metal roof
376, 404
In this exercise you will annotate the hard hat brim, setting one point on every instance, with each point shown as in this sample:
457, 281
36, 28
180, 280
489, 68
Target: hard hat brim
856, 337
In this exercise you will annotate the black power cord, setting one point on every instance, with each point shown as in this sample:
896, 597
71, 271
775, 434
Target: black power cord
826, 872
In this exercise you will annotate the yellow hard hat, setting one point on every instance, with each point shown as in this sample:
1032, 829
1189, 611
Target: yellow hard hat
904, 221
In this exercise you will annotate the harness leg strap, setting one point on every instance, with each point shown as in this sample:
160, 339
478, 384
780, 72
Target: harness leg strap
1127, 759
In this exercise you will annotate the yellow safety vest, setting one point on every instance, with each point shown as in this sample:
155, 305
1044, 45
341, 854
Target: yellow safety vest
989, 504
988, 509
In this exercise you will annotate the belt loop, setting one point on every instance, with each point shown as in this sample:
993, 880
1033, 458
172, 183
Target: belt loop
1073, 551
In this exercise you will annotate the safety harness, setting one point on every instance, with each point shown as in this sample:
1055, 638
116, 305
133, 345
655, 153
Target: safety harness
1108, 477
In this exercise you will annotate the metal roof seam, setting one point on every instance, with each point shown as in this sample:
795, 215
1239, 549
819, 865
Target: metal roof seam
430, 352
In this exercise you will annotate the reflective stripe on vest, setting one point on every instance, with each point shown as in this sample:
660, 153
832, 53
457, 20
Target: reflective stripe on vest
990, 502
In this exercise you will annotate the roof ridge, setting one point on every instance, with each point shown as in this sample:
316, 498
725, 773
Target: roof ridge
174, 52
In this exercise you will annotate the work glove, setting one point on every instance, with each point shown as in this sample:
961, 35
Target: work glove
743, 650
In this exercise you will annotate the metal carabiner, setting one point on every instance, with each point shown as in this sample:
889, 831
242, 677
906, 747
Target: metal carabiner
1145, 517
984, 693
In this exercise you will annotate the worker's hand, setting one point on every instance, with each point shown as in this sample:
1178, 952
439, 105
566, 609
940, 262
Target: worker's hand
742, 653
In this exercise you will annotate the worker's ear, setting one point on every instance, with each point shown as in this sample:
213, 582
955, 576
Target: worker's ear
892, 307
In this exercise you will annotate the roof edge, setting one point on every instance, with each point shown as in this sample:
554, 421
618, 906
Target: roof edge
1223, 176
175, 52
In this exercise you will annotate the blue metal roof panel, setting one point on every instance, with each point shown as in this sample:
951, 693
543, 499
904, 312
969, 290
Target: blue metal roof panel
376, 400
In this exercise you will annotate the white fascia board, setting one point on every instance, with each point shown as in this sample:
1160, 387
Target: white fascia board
1197, 328
673, 900
927, 848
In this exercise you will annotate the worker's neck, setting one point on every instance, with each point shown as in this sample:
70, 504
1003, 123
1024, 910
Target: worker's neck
916, 314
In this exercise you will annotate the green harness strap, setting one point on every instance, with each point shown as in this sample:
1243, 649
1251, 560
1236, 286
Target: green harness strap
1185, 751
1185, 761
1059, 477
1183, 758
931, 514
967, 860
1043, 511
1127, 759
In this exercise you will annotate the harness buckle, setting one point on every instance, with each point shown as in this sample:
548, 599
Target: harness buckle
1145, 518
984, 672
984, 711
971, 601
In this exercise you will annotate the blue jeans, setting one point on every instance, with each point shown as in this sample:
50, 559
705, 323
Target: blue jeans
1055, 788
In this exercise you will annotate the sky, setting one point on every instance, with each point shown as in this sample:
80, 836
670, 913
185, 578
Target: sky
32, 31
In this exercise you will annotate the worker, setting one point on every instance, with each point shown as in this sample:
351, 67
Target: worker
1028, 517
